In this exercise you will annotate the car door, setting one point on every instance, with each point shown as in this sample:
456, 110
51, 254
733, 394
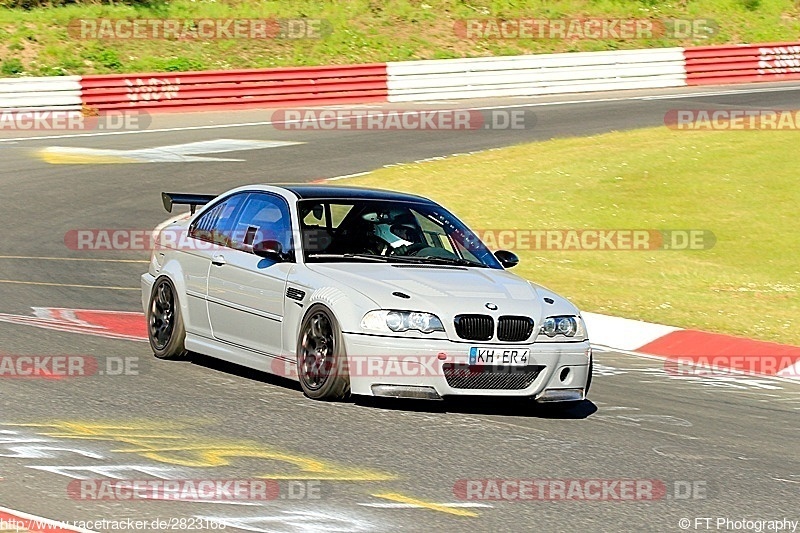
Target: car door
245, 291
208, 234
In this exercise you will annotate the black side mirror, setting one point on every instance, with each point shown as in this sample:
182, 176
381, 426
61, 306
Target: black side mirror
270, 249
506, 258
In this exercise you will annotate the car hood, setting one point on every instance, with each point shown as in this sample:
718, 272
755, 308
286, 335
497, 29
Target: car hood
444, 290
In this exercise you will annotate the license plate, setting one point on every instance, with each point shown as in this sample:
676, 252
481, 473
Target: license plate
499, 356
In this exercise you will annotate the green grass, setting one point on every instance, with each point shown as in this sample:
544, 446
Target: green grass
740, 185
35, 41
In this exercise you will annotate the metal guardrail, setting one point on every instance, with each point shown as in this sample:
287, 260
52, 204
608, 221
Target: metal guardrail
52, 93
533, 75
716, 65
237, 88
408, 81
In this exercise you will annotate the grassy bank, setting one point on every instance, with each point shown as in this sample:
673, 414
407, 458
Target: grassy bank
36, 41
741, 185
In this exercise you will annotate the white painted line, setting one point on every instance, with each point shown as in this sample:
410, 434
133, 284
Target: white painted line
722, 93
46, 311
219, 502
791, 372
357, 174
603, 348
634, 98
623, 333
65, 320
508, 106
71, 285
93, 259
299, 521
177, 153
138, 132
414, 506
438, 158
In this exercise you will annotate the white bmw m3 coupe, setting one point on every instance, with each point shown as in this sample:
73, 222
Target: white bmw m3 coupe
357, 291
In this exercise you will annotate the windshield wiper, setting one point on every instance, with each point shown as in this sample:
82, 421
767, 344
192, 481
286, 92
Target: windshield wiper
416, 259
457, 261
368, 257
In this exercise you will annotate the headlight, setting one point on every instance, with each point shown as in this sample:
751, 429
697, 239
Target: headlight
570, 327
399, 321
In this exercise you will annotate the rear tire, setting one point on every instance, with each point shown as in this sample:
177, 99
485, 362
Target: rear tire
321, 356
165, 329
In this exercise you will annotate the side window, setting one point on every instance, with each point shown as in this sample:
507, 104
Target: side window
435, 235
263, 217
216, 225
338, 213
314, 226
316, 216
325, 215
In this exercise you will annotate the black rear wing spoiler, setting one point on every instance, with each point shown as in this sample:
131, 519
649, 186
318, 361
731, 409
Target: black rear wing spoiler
192, 200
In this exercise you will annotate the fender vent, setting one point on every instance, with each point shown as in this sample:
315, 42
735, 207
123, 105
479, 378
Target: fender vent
295, 294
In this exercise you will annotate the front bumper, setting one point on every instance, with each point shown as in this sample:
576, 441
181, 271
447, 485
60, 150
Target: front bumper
420, 368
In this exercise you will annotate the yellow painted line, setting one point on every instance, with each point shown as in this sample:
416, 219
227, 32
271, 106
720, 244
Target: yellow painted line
183, 449
396, 497
346, 475
71, 285
117, 438
74, 259
62, 158
220, 454
107, 431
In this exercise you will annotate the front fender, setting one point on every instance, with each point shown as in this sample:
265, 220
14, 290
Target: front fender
347, 304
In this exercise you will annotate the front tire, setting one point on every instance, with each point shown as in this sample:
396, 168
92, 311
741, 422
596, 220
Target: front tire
165, 329
321, 357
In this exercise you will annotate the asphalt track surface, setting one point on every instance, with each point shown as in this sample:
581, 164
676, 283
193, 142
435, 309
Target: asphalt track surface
721, 447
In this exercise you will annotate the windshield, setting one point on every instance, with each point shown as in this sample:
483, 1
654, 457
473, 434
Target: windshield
378, 230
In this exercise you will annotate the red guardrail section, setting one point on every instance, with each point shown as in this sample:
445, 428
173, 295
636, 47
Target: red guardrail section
275, 87
716, 65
